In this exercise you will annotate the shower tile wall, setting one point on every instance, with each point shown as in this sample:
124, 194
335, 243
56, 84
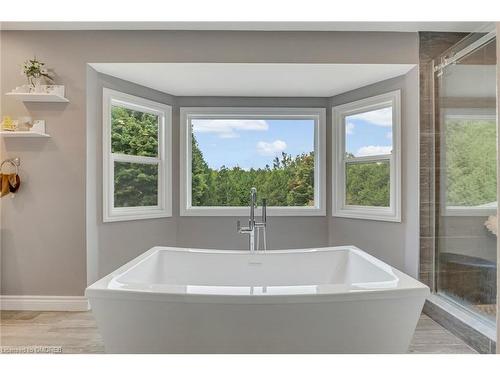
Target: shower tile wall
431, 45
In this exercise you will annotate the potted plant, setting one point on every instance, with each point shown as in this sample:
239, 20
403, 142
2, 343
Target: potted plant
35, 72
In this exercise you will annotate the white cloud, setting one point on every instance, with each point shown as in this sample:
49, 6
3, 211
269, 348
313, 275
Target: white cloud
388, 135
271, 148
374, 150
228, 128
379, 117
349, 128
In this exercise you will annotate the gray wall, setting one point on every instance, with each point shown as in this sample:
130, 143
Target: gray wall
394, 243
43, 241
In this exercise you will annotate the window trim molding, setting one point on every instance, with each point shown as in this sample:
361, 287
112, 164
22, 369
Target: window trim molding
461, 113
339, 208
164, 159
319, 115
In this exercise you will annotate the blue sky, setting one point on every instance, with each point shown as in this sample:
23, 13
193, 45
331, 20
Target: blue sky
251, 143
369, 133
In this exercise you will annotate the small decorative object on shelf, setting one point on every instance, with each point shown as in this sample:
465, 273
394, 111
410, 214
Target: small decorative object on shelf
36, 72
38, 126
24, 127
24, 123
8, 124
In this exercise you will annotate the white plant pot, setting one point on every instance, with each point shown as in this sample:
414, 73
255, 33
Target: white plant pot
37, 85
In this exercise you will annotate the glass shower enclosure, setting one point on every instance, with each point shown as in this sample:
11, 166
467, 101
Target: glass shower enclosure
465, 160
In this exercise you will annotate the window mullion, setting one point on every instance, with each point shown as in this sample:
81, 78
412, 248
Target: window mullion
135, 159
368, 159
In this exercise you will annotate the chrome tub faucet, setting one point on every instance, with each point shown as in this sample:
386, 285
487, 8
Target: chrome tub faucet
255, 227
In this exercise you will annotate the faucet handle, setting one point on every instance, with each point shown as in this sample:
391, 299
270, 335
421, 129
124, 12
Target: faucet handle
238, 225
264, 210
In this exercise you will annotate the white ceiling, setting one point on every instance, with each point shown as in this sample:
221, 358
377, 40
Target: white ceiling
271, 26
213, 79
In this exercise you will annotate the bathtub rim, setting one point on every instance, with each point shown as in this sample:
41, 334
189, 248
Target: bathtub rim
408, 287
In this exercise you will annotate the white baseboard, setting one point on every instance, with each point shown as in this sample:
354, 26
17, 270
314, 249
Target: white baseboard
44, 303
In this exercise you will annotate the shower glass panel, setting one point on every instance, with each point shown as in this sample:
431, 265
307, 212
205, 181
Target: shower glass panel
466, 200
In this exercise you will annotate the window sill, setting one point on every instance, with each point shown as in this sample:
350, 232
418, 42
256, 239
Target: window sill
244, 211
374, 214
129, 216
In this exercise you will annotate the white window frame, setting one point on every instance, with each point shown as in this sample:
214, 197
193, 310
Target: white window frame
163, 160
339, 113
317, 114
463, 114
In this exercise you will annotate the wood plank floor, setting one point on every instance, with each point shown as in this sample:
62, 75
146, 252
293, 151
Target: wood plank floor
77, 332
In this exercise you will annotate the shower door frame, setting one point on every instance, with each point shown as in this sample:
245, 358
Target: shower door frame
450, 306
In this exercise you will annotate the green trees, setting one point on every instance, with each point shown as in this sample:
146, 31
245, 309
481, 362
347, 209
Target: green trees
136, 185
302, 182
470, 173
470, 162
289, 182
134, 133
368, 184
202, 179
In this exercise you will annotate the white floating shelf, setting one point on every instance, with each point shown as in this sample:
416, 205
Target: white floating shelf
23, 134
38, 97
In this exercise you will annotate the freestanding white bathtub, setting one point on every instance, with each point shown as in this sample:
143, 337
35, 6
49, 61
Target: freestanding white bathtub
326, 300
